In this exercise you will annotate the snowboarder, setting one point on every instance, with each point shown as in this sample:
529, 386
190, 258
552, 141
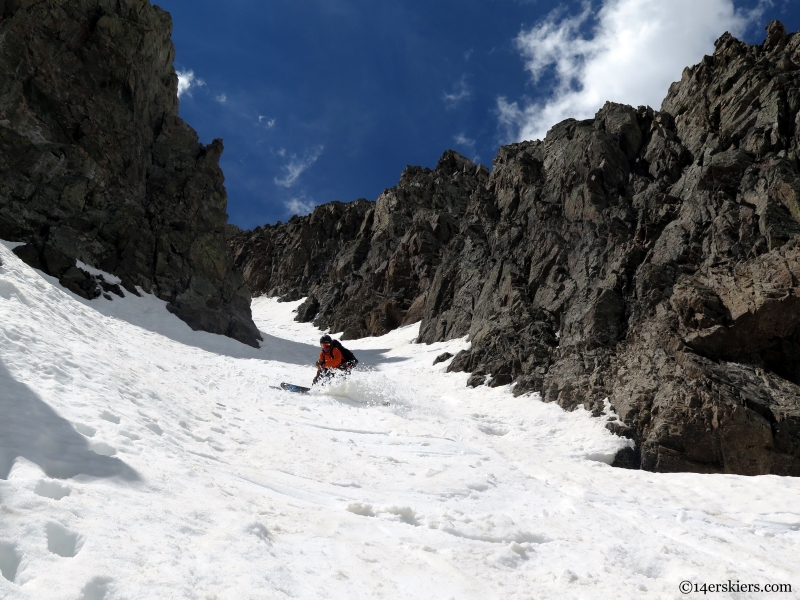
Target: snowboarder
334, 359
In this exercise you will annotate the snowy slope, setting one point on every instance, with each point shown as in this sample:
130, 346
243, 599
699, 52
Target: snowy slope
140, 459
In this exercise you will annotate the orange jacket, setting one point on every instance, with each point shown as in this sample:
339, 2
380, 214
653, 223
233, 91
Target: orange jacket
330, 361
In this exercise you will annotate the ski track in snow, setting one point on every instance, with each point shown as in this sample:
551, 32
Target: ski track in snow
140, 459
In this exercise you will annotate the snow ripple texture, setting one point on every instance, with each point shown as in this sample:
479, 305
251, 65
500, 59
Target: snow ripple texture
140, 459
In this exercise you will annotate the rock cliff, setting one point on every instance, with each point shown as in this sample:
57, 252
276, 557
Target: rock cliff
96, 165
648, 257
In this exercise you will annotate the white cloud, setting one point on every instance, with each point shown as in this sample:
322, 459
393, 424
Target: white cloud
463, 140
296, 166
300, 206
186, 81
270, 123
460, 92
636, 49
221, 98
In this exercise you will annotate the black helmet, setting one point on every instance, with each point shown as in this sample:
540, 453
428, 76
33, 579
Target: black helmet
324, 339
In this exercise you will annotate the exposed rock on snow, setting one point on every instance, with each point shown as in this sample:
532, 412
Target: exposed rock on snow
649, 257
443, 357
96, 165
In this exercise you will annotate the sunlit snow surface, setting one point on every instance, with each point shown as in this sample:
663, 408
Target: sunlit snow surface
140, 459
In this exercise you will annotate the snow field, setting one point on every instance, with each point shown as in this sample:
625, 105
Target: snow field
140, 459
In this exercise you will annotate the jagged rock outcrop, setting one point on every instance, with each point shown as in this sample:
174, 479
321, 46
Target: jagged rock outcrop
96, 165
365, 266
649, 257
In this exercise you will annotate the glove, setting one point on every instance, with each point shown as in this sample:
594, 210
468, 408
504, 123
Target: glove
320, 363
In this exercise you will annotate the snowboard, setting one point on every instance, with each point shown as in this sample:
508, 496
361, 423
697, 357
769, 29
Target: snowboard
290, 387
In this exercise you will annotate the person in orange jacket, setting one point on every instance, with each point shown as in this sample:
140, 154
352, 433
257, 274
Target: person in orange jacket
333, 357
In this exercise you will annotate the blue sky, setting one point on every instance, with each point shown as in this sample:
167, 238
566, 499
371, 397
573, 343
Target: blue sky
320, 100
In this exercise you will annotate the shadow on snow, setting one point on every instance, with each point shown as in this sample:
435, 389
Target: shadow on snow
31, 429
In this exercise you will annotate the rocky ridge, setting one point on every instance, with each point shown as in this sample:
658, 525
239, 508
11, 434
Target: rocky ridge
96, 165
648, 257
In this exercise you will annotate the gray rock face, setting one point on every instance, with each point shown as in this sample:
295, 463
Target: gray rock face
648, 257
96, 165
365, 266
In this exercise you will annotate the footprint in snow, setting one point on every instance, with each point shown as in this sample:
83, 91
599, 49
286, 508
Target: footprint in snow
478, 487
110, 417
103, 449
260, 531
62, 541
130, 435
96, 589
52, 490
9, 561
85, 429
491, 429
154, 428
